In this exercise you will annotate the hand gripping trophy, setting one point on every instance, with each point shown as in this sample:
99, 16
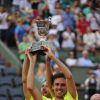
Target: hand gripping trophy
42, 27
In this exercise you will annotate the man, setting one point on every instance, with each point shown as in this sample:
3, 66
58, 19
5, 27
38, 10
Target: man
21, 29
61, 88
68, 18
61, 84
84, 60
29, 89
95, 97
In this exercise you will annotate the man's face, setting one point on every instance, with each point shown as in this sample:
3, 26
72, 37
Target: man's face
68, 10
44, 89
59, 87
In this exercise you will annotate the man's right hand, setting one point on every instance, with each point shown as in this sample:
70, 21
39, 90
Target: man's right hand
48, 51
29, 55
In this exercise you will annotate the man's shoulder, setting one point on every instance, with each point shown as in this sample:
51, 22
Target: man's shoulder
45, 98
68, 96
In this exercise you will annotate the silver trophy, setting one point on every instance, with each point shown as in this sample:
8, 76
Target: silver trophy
41, 26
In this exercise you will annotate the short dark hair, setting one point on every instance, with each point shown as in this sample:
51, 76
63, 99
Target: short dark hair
57, 75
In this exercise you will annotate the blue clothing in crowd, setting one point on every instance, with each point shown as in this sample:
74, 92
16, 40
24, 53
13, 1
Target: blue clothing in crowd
21, 31
68, 20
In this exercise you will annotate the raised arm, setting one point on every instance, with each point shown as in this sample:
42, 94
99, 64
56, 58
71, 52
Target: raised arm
25, 69
69, 79
49, 75
31, 78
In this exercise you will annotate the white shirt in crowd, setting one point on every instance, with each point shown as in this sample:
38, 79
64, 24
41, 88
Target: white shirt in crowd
92, 81
93, 19
68, 40
71, 61
83, 1
16, 2
97, 38
24, 4
57, 20
51, 4
3, 22
89, 39
97, 72
84, 62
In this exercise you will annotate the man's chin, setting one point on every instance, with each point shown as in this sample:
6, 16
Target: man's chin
60, 96
45, 94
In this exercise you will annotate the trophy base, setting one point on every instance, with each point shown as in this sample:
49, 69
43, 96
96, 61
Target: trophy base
37, 47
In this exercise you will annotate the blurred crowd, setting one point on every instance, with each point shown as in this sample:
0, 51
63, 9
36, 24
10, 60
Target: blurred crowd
75, 26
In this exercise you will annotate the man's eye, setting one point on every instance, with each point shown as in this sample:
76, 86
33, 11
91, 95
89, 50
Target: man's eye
62, 84
57, 84
42, 85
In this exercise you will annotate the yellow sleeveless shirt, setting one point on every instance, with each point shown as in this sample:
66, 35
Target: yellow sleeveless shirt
43, 98
68, 97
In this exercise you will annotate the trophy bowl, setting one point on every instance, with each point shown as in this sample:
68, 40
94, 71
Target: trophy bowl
42, 27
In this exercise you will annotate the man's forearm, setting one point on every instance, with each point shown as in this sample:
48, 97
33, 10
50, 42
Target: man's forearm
62, 67
25, 69
48, 72
30, 77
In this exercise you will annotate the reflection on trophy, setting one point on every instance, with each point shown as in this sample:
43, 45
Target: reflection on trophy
42, 27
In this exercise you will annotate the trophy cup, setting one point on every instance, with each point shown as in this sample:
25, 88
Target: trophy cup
42, 27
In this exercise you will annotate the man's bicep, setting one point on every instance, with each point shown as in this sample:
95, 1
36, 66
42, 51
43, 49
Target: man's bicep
26, 92
51, 92
71, 87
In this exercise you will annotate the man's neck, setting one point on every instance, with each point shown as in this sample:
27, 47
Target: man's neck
59, 98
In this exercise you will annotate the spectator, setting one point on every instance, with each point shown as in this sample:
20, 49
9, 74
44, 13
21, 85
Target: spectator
87, 8
16, 15
10, 32
81, 24
84, 60
34, 5
15, 4
97, 71
21, 29
93, 19
83, 2
68, 18
71, 61
24, 4
68, 38
45, 12
22, 47
52, 37
98, 38
75, 7
58, 20
51, 4
3, 23
91, 86
89, 39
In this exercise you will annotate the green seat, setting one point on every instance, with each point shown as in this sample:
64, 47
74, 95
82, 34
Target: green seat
80, 74
63, 54
81, 93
